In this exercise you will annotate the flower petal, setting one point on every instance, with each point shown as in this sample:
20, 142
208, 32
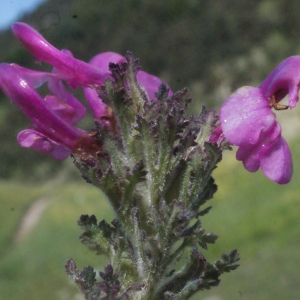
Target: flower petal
249, 155
36, 79
217, 136
277, 164
102, 60
283, 80
244, 115
76, 72
151, 84
35, 108
252, 155
30, 138
76, 110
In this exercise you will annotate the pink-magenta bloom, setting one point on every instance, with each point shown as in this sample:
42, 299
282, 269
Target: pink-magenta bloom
149, 82
54, 117
78, 73
75, 72
247, 121
284, 80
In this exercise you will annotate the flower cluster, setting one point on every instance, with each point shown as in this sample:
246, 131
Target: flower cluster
247, 121
55, 116
246, 117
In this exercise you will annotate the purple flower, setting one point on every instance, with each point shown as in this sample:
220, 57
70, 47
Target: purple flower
54, 117
101, 61
285, 79
78, 73
149, 82
247, 121
74, 71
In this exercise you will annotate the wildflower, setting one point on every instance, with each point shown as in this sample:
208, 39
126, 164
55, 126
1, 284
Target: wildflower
78, 73
55, 116
248, 121
149, 82
74, 71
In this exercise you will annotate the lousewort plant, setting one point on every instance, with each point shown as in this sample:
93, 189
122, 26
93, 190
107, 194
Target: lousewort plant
153, 162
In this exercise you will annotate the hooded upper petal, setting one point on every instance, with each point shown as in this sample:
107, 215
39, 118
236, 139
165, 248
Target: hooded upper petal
283, 80
76, 72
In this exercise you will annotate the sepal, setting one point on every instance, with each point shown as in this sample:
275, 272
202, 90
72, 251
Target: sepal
155, 166
97, 237
108, 288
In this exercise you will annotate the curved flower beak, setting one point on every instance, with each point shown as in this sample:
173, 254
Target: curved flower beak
283, 80
76, 72
150, 83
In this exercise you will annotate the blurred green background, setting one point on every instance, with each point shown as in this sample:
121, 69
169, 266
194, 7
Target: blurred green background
212, 47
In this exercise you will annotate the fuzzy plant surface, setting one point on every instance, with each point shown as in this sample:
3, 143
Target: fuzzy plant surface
154, 164
152, 160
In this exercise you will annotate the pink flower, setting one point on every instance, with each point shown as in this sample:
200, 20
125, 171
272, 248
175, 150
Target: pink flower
247, 121
74, 71
78, 73
54, 117
149, 82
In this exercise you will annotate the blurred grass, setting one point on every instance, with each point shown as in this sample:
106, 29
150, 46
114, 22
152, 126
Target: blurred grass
250, 213
33, 268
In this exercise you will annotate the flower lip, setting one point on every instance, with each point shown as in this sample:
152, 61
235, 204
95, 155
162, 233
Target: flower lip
247, 121
244, 115
64, 101
35, 108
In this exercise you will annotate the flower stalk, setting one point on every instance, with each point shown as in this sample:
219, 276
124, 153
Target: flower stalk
156, 172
